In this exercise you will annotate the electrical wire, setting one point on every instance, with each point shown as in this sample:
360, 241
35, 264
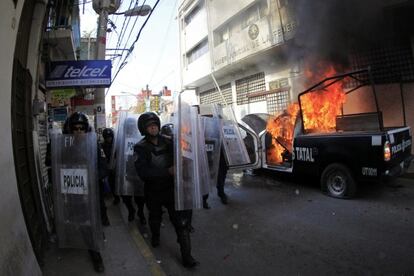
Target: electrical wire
133, 26
131, 49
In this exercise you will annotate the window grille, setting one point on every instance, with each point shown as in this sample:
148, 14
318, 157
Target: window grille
391, 62
249, 85
213, 96
277, 102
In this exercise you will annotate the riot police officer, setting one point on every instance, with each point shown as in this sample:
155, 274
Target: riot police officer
221, 177
78, 124
108, 135
154, 164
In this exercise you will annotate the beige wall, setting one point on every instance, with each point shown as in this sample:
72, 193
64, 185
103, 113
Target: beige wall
16, 253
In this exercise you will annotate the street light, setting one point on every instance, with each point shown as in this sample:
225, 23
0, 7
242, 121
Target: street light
136, 11
103, 8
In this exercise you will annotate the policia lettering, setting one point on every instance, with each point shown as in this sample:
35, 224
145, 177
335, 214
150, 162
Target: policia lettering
304, 154
74, 181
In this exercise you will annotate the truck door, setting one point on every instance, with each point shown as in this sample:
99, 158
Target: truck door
253, 149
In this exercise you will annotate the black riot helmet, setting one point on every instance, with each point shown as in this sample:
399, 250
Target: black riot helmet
107, 132
167, 130
147, 119
78, 118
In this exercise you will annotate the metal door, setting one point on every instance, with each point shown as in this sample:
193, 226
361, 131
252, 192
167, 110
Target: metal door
24, 158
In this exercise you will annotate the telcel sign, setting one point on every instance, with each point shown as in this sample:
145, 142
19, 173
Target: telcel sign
83, 73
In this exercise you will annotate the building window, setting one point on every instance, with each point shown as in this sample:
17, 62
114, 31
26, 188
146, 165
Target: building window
253, 14
276, 84
277, 102
193, 13
212, 96
197, 51
221, 35
247, 86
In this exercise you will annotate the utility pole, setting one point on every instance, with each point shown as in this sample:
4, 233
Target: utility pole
103, 8
147, 99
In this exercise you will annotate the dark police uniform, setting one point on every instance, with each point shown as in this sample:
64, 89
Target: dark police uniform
152, 163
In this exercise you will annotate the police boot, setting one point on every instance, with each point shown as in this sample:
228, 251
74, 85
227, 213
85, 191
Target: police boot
116, 200
185, 247
205, 204
221, 194
131, 213
97, 261
105, 219
155, 234
141, 216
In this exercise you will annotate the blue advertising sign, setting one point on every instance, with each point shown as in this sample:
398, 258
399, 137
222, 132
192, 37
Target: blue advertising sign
81, 73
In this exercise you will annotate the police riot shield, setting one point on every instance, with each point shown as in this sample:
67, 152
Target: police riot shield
201, 157
234, 147
119, 128
188, 194
76, 191
212, 135
127, 181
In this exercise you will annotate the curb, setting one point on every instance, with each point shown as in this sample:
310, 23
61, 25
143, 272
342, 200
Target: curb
146, 252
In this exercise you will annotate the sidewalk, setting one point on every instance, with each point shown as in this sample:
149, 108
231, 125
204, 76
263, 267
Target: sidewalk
125, 252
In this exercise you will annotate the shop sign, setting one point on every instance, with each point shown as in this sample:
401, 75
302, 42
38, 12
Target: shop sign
81, 73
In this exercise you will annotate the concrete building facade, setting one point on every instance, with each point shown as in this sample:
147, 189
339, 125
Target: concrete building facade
243, 46
34, 33
258, 51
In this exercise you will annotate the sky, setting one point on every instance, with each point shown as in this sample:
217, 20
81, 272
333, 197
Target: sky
155, 58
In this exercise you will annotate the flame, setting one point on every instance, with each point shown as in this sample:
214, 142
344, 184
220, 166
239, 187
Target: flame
281, 128
185, 132
319, 109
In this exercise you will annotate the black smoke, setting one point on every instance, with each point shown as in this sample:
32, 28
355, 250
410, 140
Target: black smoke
331, 29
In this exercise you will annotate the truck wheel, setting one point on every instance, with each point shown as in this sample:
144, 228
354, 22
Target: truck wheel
337, 181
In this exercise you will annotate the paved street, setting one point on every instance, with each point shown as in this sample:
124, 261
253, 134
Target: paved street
274, 225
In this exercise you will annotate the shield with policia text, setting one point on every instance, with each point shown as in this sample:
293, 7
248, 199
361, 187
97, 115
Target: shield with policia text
212, 135
234, 147
187, 181
127, 181
76, 200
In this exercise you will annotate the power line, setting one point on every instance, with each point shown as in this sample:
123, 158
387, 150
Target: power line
133, 26
131, 49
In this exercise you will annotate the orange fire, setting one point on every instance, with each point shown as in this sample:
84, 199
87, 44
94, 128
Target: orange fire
185, 131
319, 109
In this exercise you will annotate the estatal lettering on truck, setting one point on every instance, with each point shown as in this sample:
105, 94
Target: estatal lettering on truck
303, 154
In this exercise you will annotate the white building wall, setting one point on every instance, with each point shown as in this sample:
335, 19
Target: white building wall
16, 253
196, 30
197, 69
221, 11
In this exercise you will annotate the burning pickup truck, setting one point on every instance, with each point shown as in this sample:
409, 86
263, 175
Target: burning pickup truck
317, 137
